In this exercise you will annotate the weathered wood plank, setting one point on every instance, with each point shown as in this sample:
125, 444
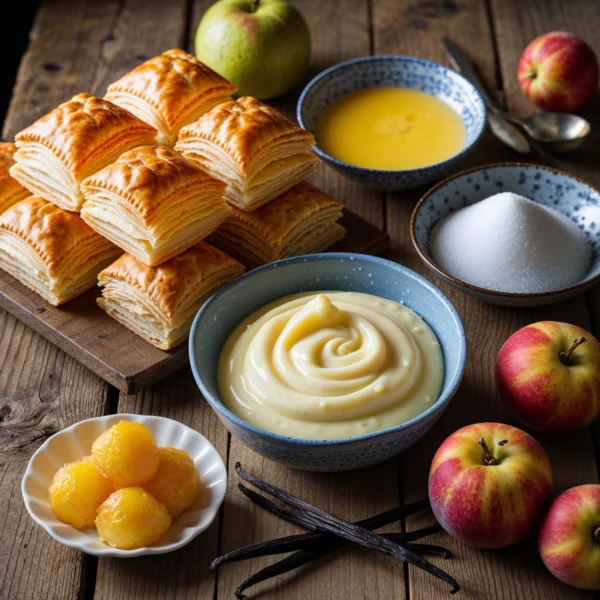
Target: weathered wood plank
41, 389
339, 31
518, 572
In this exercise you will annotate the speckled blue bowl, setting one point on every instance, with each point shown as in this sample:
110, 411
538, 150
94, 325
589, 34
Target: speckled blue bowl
552, 188
331, 271
398, 71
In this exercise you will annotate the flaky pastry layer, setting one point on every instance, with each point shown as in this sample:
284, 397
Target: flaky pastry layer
11, 191
72, 142
153, 203
159, 303
252, 147
51, 251
170, 91
301, 221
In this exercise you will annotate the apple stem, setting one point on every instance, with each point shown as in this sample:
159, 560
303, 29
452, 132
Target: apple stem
254, 5
597, 534
566, 357
488, 459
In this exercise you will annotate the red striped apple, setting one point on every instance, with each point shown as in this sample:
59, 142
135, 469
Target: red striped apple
558, 72
569, 537
548, 374
488, 484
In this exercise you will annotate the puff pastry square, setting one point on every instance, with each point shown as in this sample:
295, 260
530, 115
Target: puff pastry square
75, 140
301, 221
170, 91
153, 203
159, 303
51, 251
253, 148
11, 191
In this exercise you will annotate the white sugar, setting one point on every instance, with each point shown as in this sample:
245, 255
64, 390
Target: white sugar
508, 243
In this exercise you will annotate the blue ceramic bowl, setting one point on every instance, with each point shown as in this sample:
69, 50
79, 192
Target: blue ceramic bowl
552, 188
331, 271
398, 71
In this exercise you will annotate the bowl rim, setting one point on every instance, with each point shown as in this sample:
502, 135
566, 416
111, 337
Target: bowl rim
400, 58
439, 405
479, 290
109, 551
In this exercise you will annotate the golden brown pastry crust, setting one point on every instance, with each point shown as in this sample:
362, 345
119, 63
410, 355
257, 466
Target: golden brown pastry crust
153, 203
169, 285
11, 191
176, 85
54, 234
243, 128
85, 132
301, 221
147, 177
275, 220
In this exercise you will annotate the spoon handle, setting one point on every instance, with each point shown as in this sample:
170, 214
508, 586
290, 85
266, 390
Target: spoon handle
498, 122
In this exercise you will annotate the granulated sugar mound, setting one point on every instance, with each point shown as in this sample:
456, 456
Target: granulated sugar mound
508, 243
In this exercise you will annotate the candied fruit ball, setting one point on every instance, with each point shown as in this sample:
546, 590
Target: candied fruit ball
76, 492
132, 518
126, 453
176, 483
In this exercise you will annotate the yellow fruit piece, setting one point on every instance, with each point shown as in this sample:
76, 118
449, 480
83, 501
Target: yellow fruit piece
76, 492
132, 518
126, 453
176, 483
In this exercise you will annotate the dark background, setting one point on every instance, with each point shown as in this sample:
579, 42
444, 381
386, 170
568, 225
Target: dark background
13, 44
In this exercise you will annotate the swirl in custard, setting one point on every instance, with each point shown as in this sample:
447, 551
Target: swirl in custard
323, 363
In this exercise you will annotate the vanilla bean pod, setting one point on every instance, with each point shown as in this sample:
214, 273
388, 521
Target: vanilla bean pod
305, 541
312, 515
298, 518
304, 557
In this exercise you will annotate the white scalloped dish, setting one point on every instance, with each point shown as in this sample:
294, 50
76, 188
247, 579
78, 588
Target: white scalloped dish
76, 441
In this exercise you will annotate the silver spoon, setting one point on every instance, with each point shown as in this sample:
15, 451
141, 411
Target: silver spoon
557, 132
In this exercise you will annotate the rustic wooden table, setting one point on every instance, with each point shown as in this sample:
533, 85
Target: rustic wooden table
79, 45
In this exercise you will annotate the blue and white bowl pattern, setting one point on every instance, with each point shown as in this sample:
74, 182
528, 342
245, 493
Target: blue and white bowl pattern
331, 271
399, 71
549, 187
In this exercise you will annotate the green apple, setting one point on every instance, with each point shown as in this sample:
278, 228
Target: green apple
263, 46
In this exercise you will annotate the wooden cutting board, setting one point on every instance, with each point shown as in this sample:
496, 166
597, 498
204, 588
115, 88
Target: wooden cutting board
85, 332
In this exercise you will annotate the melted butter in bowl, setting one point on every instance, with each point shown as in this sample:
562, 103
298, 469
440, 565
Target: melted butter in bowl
330, 365
390, 128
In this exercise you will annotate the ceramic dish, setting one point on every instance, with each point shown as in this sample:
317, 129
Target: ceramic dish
76, 441
552, 188
399, 71
331, 271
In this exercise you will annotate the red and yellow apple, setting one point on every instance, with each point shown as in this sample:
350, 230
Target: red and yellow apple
569, 537
548, 373
559, 72
488, 484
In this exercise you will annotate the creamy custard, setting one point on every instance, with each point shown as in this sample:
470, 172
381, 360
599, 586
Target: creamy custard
390, 128
330, 365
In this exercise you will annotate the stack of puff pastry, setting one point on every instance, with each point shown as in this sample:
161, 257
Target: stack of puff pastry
98, 179
263, 158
